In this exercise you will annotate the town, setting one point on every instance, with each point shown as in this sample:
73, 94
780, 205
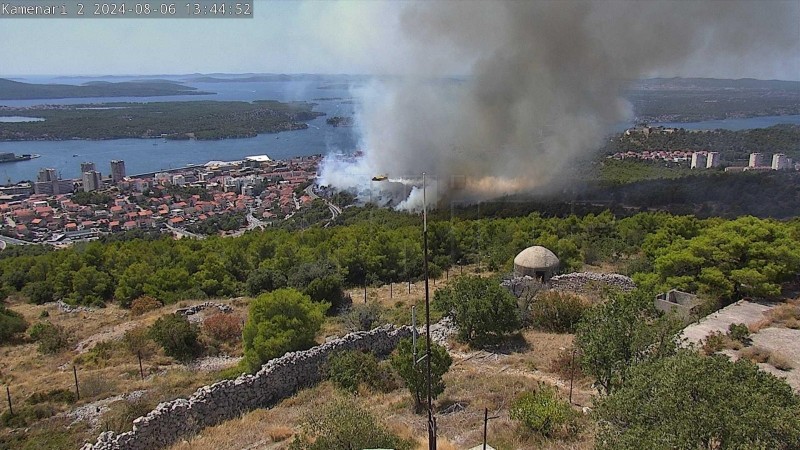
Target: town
227, 196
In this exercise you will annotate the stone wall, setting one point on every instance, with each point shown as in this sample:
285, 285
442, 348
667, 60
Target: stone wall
589, 282
224, 400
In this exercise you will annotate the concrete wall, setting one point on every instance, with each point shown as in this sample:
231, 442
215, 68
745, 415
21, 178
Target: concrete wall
224, 400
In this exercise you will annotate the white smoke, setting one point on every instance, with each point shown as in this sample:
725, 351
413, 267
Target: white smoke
543, 86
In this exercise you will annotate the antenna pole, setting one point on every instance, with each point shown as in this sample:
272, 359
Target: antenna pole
431, 420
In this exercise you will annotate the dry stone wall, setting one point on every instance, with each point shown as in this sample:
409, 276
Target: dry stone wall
224, 400
585, 282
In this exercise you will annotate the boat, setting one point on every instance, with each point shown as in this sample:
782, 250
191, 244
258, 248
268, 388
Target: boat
10, 157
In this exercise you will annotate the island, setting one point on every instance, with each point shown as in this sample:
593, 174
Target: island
339, 121
15, 90
202, 120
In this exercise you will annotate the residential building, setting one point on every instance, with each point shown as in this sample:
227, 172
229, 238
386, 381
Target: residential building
117, 170
756, 160
92, 181
780, 162
87, 167
698, 160
712, 160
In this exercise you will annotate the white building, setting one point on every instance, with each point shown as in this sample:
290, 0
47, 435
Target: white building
698, 160
780, 162
713, 160
92, 181
178, 180
117, 170
756, 160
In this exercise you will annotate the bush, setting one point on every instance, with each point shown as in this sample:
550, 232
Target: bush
739, 332
144, 304
328, 290
223, 327
756, 354
51, 338
690, 401
363, 317
344, 424
557, 311
176, 336
278, 322
414, 374
53, 396
483, 310
350, 368
779, 362
11, 323
27, 415
567, 364
138, 342
544, 413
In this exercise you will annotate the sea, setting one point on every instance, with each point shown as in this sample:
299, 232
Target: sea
333, 96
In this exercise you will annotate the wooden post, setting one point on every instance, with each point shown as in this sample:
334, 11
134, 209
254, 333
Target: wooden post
391, 288
77, 390
447, 275
365, 290
571, 374
485, 425
409, 284
141, 370
8, 396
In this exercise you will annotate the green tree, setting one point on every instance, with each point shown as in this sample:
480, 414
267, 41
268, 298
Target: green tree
414, 373
692, 401
622, 331
541, 411
348, 369
483, 310
11, 323
177, 336
327, 290
280, 321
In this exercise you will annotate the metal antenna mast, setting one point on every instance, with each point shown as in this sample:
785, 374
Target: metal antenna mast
431, 418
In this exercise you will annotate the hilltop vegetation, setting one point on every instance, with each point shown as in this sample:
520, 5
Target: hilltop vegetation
729, 258
732, 145
15, 90
173, 120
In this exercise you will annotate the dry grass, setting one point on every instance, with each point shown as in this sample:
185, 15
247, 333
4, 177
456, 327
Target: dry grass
477, 380
756, 354
779, 362
105, 367
784, 315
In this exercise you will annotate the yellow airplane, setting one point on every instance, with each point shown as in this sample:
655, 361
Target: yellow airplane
380, 178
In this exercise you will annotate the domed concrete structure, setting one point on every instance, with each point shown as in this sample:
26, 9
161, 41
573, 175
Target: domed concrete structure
536, 262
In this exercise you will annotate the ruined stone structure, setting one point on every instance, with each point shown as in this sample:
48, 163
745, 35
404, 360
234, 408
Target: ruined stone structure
224, 400
684, 304
223, 308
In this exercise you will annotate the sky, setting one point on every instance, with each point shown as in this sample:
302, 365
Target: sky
285, 36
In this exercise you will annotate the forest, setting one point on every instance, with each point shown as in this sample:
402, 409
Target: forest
732, 145
727, 259
203, 120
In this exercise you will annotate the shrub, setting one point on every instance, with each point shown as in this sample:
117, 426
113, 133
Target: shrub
483, 310
755, 354
739, 332
11, 323
223, 327
780, 362
344, 424
27, 415
278, 322
328, 290
176, 336
121, 415
94, 385
544, 413
53, 396
138, 342
414, 373
716, 341
98, 356
350, 368
567, 364
144, 304
690, 401
363, 317
557, 311
51, 338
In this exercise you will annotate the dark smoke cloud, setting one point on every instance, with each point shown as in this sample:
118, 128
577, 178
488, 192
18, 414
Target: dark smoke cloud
543, 84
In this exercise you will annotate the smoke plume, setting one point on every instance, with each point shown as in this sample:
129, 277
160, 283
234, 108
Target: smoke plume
542, 85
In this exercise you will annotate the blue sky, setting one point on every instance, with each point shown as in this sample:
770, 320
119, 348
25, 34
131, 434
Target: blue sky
285, 36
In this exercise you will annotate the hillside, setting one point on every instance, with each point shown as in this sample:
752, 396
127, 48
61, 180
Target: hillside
15, 90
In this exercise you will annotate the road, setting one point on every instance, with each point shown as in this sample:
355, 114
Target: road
335, 210
11, 241
183, 233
